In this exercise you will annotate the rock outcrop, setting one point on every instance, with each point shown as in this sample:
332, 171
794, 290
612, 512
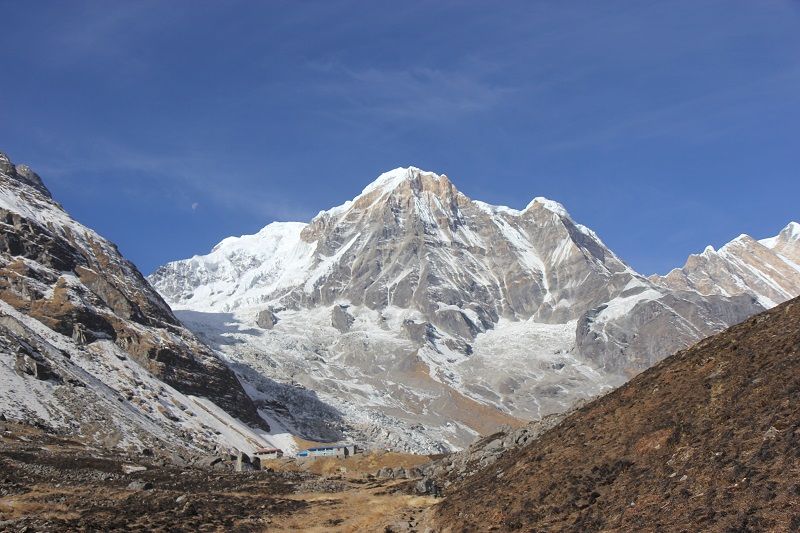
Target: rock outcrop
635, 340
341, 319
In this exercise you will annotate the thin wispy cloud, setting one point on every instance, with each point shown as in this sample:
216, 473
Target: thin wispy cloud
185, 174
418, 93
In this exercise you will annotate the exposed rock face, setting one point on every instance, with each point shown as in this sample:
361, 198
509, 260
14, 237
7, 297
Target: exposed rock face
455, 304
95, 304
22, 174
98, 393
30, 362
701, 442
633, 341
419, 332
768, 269
787, 243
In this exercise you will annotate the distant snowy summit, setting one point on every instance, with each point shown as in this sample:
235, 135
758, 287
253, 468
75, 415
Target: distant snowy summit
425, 316
768, 269
288, 263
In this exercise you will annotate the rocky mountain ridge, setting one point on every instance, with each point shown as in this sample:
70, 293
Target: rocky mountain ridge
768, 269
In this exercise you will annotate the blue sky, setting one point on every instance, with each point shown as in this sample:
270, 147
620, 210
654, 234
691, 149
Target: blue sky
167, 126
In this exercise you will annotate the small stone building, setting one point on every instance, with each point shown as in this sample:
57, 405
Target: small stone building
337, 450
266, 454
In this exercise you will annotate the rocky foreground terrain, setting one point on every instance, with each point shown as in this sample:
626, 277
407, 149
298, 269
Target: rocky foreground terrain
52, 483
707, 440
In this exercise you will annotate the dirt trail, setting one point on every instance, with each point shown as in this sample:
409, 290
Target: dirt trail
356, 510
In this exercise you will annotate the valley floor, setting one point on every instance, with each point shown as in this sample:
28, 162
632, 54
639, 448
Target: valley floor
49, 483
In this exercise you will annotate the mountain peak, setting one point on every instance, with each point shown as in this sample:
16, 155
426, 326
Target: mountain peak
766, 269
792, 230
790, 233
412, 286
390, 180
548, 204
419, 180
743, 240
22, 174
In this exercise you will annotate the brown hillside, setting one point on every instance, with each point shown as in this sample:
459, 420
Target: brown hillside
707, 440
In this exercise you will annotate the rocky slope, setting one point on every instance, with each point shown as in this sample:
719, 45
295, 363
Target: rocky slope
439, 475
426, 317
88, 347
768, 269
706, 440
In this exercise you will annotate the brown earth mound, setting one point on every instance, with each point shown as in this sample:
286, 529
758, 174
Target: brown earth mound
707, 440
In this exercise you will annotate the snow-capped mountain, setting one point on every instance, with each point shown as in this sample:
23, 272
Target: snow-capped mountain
89, 348
768, 269
426, 317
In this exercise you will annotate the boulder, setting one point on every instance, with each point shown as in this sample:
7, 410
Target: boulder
130, 469
245, 463
428, 486
140, 485
419, 332
494, 445
266, 319
341, 318
209, 461
385, 473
